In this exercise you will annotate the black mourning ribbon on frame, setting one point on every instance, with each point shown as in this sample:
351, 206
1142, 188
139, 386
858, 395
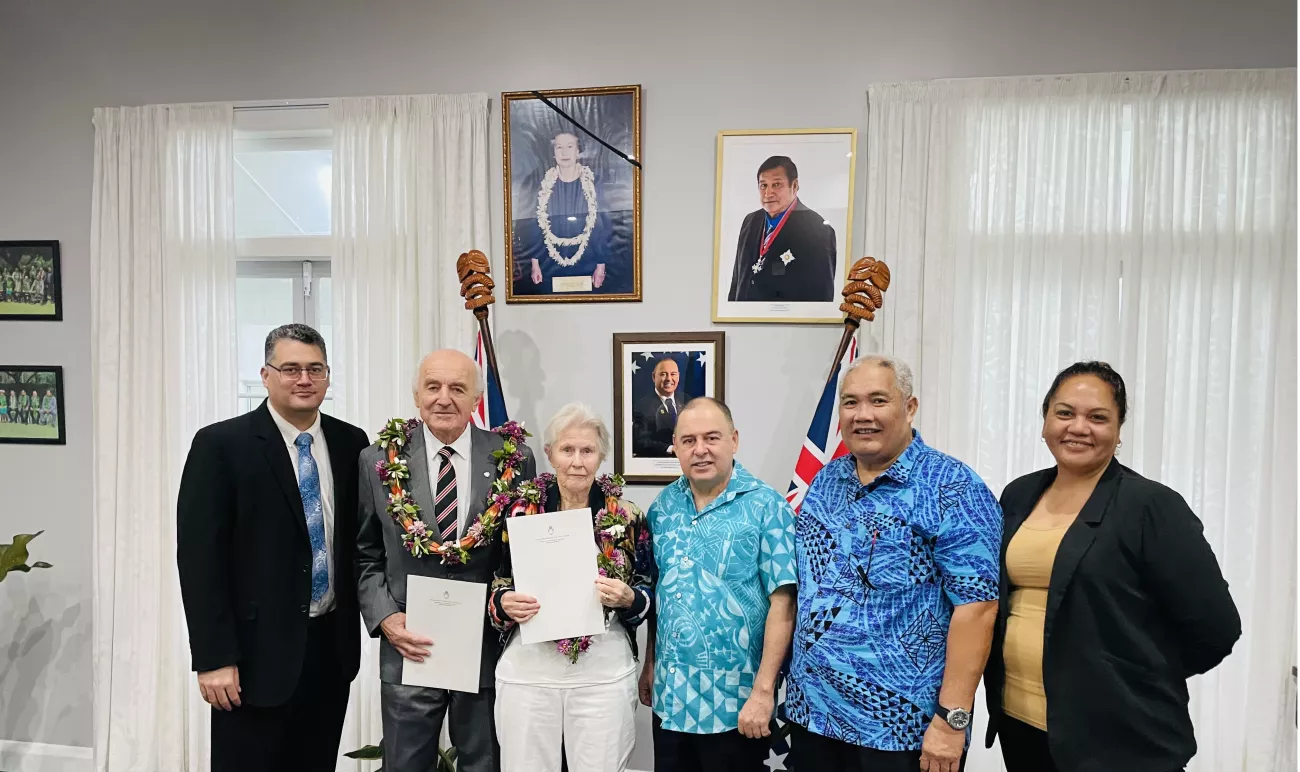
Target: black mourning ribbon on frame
587, 131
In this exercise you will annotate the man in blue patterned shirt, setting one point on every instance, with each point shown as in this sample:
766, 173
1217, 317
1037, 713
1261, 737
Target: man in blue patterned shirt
897, 548
724, 550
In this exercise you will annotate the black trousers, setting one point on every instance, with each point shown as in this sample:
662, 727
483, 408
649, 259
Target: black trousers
725, 752
302, 734
811, 752
1024, 747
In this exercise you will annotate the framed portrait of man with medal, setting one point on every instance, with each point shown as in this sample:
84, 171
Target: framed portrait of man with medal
782, 225
572, 185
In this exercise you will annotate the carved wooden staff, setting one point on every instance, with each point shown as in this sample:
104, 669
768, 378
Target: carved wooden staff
472, 268
864, 294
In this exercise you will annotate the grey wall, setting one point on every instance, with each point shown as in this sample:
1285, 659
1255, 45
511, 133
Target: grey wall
704, 66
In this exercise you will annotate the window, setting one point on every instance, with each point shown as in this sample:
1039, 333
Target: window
283, 182
270, 293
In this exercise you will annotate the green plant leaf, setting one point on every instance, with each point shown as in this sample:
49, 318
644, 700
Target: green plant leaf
14, 555
446, 760
367, 753
41, 564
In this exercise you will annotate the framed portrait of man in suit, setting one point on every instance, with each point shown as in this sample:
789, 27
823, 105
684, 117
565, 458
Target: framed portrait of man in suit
572, 182
655, 375
31, 405
782, 225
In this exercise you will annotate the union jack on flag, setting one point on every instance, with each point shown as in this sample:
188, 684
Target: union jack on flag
822, 445
490, 412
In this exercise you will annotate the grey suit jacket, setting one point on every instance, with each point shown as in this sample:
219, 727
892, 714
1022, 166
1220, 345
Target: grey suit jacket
383, 563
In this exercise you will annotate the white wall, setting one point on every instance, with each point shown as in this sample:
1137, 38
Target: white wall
704, 66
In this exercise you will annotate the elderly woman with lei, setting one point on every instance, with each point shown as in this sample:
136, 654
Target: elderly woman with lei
575, 697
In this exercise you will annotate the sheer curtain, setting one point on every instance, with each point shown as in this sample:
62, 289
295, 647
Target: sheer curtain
411, 193
163, 310
1146, 219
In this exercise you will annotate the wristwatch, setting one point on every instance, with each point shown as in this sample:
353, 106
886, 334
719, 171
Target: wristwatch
957, 718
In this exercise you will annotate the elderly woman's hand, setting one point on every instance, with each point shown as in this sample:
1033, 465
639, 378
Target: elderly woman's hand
520, 607
614, 593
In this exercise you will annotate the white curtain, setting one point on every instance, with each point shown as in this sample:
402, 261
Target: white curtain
1145, 219
163, 318
411, 193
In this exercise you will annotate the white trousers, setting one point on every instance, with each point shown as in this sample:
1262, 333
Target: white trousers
594, 723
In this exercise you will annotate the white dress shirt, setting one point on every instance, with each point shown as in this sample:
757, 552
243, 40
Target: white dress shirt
460, 450
321, 455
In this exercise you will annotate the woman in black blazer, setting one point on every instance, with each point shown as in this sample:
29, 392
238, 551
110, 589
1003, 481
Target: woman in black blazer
1110, 600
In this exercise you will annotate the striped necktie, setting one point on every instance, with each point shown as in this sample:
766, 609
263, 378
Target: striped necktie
444, 495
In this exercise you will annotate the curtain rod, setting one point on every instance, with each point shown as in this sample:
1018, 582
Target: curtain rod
298, 106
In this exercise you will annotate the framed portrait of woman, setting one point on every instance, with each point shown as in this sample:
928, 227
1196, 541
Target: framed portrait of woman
572, 183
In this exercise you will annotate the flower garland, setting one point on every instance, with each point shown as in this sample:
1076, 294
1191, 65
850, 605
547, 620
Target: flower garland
417, 536
544, 220
613, 537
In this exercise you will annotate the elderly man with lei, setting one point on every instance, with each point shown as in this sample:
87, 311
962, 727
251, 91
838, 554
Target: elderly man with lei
574, 697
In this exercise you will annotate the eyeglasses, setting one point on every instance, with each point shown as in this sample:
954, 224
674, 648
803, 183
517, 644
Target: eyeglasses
294, 372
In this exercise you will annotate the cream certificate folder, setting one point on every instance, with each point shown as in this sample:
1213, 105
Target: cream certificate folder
451, 614
554, 560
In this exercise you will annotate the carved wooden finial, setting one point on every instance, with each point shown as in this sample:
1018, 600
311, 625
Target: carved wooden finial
472, 268
864, 292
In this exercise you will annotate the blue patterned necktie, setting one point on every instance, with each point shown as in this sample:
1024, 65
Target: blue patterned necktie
309, 489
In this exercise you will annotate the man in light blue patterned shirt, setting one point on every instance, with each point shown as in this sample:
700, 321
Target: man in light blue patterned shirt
898, 585
724, 551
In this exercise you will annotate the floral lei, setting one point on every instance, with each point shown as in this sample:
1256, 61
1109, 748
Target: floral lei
544, 220
417, 536
613, 536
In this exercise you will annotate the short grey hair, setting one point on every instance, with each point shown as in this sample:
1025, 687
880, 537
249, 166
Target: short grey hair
578, 415
297, 332
479, 382
902, 373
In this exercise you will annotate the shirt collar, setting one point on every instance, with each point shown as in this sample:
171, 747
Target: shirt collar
900, 471
460, 447
291, 432
741, 482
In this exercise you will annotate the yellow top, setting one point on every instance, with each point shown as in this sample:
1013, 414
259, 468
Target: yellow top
1030, 556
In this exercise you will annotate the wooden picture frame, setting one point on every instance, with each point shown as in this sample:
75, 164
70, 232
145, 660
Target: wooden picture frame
643, 420
571, 179
31, 281
796, 277
20, 422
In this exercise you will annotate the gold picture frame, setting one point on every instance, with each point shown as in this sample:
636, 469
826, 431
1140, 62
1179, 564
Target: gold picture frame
798, 279
600, 133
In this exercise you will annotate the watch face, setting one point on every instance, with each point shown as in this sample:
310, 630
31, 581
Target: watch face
958, 718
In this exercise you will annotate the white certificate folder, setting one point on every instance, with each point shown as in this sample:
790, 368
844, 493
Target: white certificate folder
451, 614
554, 560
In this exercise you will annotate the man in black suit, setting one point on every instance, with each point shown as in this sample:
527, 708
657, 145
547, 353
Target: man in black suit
786, 251
655, 416
266, 539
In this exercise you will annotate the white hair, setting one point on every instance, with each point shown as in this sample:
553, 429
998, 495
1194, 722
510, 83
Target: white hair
902, 373
578, 415
479, 383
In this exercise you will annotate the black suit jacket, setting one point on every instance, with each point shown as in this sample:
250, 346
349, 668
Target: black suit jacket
1136, 606
653, 425
245, 556
809, 276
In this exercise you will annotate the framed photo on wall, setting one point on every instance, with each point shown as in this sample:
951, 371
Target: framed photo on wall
31, 404
655, 375
30, 281
784, 210
571, 163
